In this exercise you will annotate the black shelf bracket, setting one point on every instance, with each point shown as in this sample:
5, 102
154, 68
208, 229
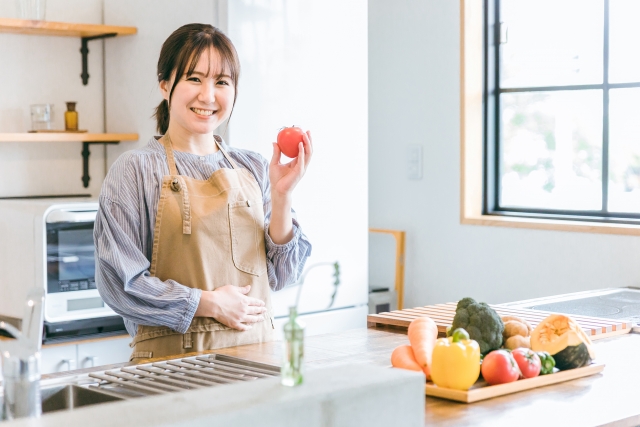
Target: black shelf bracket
84, 50
85, 159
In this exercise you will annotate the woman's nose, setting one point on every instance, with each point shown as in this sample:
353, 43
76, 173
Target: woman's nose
207, 93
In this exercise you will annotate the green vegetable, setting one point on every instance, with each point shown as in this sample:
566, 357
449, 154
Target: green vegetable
547, 363
481, 322
459, 335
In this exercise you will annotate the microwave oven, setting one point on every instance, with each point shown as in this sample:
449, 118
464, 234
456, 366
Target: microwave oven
48, 243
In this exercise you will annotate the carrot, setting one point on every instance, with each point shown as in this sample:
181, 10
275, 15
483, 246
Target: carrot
423, 334
402, 357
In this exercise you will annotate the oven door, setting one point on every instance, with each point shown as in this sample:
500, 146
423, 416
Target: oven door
71, 286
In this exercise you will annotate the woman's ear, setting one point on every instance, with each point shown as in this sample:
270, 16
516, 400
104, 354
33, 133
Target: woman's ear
164, 89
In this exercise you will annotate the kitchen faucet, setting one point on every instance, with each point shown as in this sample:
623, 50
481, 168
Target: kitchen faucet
21, 361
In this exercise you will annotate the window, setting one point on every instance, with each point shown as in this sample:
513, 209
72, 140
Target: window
562, 109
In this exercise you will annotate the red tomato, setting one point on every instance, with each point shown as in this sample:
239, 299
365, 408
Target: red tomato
288, 140
528, 362
499, 367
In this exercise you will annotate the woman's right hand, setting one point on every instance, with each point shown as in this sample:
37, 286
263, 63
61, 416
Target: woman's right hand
231, 306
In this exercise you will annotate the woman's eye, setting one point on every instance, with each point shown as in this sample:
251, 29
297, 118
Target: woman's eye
223, 82
193, 79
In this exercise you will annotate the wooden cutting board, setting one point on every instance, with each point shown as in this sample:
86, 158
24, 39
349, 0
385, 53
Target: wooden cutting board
443, 314
482, 391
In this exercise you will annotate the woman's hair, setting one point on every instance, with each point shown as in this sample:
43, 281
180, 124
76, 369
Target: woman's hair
180, 53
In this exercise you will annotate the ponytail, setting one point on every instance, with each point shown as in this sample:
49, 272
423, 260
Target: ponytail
162, 117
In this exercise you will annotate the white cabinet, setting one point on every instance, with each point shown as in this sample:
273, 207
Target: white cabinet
106, 352
59, 357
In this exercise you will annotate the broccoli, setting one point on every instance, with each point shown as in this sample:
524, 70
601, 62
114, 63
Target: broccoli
482, 323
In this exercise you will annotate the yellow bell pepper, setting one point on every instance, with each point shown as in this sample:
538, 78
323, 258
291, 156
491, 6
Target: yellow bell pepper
456, 361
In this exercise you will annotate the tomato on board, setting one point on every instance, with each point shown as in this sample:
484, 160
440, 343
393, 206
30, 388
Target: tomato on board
288, 140
499, 367
528, 362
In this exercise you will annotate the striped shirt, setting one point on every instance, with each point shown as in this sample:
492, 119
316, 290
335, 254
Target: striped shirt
123, 235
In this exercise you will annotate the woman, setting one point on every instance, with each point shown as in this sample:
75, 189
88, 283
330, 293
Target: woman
192, 234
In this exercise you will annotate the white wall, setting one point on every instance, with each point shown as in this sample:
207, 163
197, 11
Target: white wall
414, 99
38, 69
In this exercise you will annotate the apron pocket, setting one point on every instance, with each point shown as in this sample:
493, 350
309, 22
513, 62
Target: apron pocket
247, 237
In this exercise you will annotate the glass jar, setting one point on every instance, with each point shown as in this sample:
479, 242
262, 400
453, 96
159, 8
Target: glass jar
291, 373
31, 9
71, 117
41, 116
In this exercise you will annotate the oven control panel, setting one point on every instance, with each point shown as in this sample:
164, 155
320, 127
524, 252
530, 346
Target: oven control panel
68, 306
72, 285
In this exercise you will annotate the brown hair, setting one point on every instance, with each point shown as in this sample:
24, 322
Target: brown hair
181, 52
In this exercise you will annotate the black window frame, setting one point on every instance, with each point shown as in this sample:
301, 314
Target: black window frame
492, 161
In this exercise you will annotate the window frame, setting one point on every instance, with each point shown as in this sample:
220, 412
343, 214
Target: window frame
473, 209
492, 161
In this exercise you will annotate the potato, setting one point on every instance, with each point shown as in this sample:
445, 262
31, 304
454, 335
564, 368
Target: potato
513, 327
517, 341
521, 320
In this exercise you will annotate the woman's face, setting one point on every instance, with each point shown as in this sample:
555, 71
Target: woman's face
201, 101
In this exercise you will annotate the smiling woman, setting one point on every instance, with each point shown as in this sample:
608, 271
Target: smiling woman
191, 234
198, 79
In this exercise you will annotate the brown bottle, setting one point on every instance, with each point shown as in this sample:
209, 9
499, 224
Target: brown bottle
71, 117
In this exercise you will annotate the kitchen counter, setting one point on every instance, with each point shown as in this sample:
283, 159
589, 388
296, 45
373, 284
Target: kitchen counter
609, 398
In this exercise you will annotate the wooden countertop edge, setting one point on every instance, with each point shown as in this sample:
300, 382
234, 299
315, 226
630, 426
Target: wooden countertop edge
77, 341
85, 340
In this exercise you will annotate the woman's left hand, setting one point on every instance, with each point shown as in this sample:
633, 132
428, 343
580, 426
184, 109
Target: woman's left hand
285, 177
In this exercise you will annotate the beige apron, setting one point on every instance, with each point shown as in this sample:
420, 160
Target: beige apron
208, 234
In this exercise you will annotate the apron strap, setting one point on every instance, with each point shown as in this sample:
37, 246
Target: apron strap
171, 161
224, 152
178, 185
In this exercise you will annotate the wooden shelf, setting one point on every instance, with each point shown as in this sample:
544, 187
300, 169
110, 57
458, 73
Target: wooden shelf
86, 32
86, 138
67, 137
65, 29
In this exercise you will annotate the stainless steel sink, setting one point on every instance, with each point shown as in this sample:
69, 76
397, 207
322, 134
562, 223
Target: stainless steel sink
72, 396
148, 379
68, 396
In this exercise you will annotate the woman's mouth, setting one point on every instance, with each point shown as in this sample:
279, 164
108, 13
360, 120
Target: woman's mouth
203, 112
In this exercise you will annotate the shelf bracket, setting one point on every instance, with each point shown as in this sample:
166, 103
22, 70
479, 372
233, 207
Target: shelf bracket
84, 50
85, 159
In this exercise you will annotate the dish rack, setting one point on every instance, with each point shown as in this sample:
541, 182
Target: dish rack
179, 375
